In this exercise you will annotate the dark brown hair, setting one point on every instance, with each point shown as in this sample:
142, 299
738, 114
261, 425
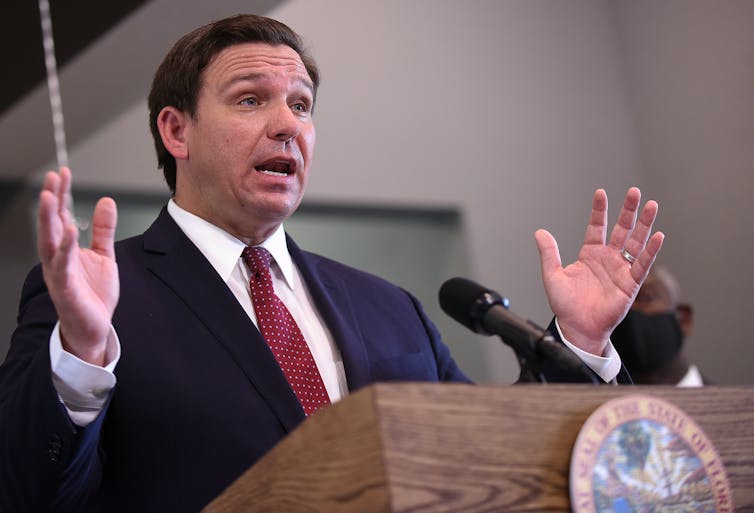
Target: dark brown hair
178, 79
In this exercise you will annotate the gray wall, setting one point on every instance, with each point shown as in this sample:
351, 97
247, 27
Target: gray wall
512, 112
690, 65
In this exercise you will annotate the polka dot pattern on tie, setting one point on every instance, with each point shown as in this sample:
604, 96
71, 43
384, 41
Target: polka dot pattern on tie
282, 334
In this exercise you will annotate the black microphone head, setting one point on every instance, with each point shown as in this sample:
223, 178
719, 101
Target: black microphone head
467, 302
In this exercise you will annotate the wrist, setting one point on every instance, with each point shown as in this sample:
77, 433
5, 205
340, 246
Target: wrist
95, 354
586, 342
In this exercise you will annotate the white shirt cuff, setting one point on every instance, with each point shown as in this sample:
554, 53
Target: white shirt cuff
607, 366
82, 387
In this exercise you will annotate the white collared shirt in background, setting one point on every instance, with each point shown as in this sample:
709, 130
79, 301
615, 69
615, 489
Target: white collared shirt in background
692, 378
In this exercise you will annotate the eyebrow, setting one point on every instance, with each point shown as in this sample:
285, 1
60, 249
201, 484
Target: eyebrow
256, 77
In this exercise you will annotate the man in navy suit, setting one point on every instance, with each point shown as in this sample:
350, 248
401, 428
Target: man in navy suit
137, 379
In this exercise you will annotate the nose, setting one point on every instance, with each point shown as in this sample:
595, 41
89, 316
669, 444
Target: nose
283, 124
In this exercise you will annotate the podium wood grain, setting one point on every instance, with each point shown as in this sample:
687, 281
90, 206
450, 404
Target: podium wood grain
462, 448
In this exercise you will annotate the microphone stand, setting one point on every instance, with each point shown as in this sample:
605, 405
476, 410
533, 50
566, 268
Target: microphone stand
520, 340
529, 361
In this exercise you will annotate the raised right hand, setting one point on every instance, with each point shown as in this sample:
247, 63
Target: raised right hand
83, 283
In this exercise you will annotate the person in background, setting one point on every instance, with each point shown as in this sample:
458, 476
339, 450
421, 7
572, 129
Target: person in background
650, 337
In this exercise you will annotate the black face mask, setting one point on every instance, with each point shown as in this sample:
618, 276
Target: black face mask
647, 342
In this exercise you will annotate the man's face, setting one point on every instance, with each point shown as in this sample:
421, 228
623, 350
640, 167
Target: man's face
250, 144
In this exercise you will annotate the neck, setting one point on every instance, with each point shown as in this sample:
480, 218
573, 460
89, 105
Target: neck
250, 234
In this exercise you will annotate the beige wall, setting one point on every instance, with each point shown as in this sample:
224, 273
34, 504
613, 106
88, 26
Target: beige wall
514, 112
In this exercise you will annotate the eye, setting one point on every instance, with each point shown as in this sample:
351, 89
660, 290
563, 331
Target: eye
300, 107
249, 101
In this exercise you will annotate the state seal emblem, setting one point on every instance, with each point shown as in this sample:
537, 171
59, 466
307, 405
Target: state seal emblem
639, 453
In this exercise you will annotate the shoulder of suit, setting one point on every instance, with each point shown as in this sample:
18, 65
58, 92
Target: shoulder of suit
348, 272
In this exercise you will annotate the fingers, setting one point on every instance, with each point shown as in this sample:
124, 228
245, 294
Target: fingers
45, 232
56, 231
597, 227
641, 232
640, 268
626, 220
61, 183
549, 255
64, 253
104, 221
49, 225
633, 234
64, 192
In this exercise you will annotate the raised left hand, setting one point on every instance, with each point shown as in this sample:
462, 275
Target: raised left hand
83, 282
590, 296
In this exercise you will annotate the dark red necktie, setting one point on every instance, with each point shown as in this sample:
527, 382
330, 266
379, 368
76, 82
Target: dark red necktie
282, 334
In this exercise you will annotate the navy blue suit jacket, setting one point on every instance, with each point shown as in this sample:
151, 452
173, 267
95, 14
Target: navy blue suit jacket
199, 396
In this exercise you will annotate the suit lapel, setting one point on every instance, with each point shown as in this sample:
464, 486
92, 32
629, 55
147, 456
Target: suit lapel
174, 259
335, 306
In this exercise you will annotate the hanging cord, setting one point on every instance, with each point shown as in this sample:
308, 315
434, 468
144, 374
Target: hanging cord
53, 85
56, 105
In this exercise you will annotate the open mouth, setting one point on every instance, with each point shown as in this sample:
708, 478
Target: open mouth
275, 168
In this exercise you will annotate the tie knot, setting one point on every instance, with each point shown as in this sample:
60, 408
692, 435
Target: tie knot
257, 258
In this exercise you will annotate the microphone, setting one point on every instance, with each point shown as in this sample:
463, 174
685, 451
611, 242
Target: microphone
486, 312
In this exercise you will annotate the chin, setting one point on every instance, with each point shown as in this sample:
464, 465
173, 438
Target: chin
276, 213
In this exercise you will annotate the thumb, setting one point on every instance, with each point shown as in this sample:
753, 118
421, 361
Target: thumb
549, 254
104, 221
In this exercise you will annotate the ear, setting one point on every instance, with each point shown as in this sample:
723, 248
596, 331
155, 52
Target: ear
172, 123
685, 314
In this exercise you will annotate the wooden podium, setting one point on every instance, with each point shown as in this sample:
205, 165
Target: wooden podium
464, 448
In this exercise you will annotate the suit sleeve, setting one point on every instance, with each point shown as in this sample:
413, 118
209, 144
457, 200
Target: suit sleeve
48, 463
447, 369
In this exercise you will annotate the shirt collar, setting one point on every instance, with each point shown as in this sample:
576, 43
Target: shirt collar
223, 250
277, 245
692, 378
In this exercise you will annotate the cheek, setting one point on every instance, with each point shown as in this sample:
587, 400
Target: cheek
307, 144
